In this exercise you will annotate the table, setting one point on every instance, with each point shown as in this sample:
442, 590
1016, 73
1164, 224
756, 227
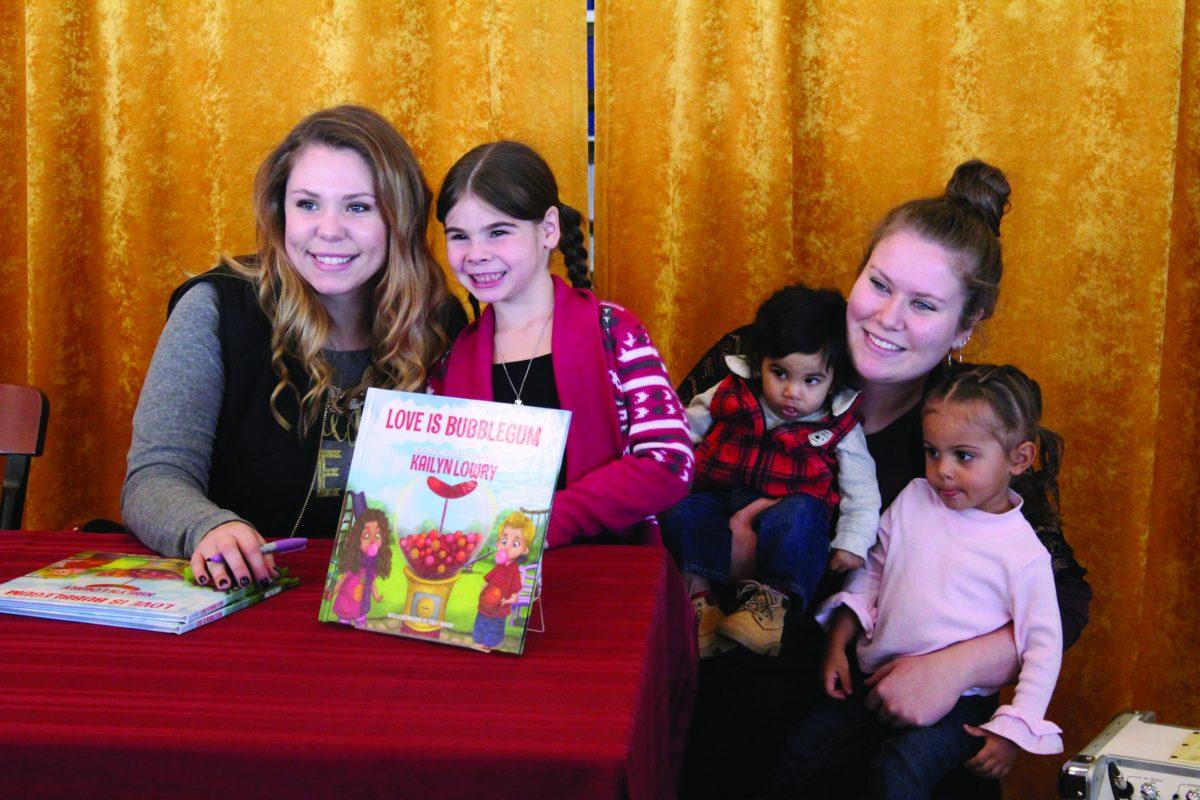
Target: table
269, 702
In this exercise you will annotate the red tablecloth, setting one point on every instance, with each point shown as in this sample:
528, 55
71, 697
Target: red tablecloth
269, 702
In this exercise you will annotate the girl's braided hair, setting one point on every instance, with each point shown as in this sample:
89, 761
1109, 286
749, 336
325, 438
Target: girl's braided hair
1016, 401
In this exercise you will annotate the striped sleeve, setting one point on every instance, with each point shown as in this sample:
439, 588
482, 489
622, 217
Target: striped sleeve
657, 425
655, 469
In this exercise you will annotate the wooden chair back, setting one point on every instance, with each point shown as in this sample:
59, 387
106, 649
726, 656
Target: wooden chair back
24, 412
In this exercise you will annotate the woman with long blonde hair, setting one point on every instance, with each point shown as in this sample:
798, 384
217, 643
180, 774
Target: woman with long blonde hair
247, 419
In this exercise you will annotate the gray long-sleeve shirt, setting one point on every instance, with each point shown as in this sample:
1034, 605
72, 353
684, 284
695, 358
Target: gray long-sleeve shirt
164, 500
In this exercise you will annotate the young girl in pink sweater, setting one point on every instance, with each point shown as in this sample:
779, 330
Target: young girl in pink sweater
545, 343
955, 559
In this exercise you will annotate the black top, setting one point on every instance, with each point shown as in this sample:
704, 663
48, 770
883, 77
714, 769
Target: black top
536, 390
899, 454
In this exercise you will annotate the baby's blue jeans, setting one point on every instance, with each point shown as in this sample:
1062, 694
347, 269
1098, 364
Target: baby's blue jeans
793, 538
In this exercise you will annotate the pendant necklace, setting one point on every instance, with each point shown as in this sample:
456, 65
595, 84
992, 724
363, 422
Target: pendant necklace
504, 365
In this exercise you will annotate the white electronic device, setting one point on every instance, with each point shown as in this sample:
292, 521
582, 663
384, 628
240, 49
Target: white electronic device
1135, 758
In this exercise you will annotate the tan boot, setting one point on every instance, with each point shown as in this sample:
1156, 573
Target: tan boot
708, 616
758, 623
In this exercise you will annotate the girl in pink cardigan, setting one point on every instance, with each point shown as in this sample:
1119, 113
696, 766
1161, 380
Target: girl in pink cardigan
955, 559
542, 342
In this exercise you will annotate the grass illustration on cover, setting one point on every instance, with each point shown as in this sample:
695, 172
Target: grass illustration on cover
444, 522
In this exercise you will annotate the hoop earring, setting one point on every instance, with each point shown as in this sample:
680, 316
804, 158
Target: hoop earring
954, 354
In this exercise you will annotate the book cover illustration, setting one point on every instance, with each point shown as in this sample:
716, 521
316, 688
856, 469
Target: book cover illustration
444, 521
127, 591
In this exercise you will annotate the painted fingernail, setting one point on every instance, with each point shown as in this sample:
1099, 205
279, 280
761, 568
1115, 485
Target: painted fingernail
201, 579
223, 583
264, 582
244, 580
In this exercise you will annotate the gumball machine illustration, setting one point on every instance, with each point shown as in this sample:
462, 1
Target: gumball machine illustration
435, 560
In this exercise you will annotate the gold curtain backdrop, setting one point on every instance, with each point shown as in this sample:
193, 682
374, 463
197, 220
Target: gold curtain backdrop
775, 133
130, 137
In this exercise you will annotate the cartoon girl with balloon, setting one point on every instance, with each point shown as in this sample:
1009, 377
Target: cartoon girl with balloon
363, 555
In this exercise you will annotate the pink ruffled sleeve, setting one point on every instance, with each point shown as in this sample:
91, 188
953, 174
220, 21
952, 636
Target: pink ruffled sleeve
1037, 630
1030, 733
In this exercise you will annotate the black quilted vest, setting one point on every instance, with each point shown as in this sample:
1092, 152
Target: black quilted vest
259, 471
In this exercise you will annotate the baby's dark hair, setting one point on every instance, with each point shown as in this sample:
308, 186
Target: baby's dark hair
797, 319
1016, 402
512, 178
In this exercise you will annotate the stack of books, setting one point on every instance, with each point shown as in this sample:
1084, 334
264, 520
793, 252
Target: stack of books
128, 591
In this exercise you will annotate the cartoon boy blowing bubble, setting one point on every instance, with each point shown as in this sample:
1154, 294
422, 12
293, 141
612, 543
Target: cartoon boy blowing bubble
503, 583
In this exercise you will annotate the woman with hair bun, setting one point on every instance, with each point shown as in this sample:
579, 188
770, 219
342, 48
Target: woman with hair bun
247, 419
545, 343
930, 275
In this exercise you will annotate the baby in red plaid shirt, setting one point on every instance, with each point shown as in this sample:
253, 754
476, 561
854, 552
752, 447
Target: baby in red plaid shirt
779, 449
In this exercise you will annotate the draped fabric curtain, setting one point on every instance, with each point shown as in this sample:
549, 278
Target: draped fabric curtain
130, 135
742, 146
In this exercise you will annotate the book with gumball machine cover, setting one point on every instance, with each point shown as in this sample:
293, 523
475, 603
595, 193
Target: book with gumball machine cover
128, 591
444, 519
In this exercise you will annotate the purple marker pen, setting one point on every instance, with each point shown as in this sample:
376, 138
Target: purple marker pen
278, 546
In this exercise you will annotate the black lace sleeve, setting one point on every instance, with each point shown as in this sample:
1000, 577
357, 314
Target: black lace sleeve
1074, 593
711, 368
